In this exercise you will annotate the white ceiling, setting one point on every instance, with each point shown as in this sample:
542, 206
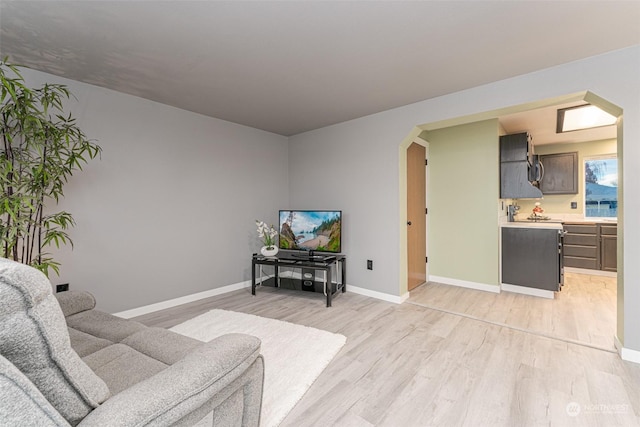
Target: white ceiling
290, 67
541, 124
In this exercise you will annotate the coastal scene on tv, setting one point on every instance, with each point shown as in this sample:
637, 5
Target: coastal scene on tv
310, 230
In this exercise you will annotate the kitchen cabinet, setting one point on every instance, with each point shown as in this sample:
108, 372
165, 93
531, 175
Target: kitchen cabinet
515, 147
608, 247
532, 257
560, 173
581, 245
515, 165
591, 246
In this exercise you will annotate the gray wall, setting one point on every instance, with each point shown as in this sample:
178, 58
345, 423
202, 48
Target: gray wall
165, 221
169, 210
356, 172
353, 166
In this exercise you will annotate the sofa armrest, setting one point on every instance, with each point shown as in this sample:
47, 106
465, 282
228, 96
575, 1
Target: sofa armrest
73, 302
184, 387
21, 403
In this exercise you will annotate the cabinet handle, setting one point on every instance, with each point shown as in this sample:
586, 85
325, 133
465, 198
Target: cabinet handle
408, 222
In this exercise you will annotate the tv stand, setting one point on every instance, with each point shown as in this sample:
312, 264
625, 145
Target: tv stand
325, 263
311, 256
302, 255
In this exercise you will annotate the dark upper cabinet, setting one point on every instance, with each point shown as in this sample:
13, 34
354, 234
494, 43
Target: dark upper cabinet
560, 173
515, 147
515, 165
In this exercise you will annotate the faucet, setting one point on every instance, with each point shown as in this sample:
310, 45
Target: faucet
512, 211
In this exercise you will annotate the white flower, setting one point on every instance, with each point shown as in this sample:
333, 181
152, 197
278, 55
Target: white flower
266, 233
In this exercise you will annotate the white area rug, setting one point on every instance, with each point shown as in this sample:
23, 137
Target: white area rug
294, 355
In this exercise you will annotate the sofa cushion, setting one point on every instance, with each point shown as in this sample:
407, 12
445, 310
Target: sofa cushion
120, 366
193, 386
161, 344
34, 338
104, 325
84, 344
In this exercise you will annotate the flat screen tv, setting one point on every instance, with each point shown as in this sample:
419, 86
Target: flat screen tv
311, 231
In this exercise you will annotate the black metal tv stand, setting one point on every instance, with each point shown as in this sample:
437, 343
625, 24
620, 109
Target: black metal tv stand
325, 263
310, 256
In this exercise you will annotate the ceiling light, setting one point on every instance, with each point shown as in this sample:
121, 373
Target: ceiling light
582, 117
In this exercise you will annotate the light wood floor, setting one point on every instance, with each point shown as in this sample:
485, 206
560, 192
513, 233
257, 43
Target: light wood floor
409, 365
584, 311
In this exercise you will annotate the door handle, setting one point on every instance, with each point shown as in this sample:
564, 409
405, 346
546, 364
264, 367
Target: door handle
408, 222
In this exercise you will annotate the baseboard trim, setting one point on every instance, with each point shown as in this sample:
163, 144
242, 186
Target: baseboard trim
127, 314
378, 295
626, 353
139, 311
590, 272
465, 284
528, 291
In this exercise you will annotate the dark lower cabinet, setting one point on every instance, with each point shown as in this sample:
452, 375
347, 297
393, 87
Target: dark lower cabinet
591, 246
608, 248
531, 257
581, 248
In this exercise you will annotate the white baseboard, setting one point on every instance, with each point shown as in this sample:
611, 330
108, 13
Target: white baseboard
591, 272
528, 291
127, 314
626, 353
378, 295
356, 290
465, 284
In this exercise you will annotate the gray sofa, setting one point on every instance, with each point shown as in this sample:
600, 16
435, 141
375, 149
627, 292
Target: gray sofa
63, 363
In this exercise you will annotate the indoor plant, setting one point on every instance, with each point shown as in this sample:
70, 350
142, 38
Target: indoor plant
41, 147
268, 235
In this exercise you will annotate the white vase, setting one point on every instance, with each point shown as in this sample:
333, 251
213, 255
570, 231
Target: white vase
269, 252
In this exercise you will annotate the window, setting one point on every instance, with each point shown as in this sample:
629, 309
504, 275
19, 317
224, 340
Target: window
601, 187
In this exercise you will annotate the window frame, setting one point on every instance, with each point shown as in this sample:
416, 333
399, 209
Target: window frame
612, 156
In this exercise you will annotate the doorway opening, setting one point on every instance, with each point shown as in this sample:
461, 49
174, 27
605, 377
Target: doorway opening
617, 282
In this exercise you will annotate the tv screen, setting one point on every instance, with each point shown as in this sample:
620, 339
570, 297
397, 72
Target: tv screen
311, 230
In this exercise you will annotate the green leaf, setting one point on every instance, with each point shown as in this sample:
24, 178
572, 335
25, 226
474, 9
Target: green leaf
41, 148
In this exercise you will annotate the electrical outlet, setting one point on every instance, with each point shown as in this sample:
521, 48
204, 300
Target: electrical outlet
369, 264
63, 287
574, 205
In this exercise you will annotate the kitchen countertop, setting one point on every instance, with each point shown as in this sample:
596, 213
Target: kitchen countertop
557, 225
570, 218
557, 219
591, 221
553, 223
